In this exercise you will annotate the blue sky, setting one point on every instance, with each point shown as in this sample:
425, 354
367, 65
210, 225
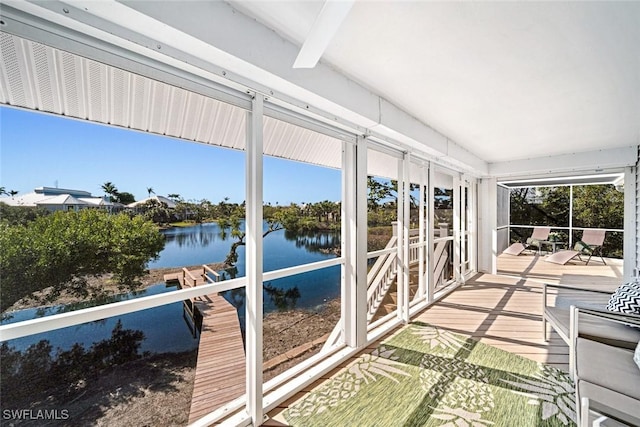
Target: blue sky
44, 150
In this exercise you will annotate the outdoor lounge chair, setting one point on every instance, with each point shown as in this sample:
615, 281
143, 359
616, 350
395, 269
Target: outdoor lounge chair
591, 244
539, 234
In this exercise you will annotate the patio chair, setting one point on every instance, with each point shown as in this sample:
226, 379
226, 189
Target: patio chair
591, 244
539, 234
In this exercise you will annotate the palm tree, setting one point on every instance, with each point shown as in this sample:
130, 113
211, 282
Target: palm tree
3, 191
150, 190
12, 193
110, 189
174, 196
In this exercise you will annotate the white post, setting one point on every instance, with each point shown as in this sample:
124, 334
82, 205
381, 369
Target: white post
456, 229
361, 242
473, 229
570, 237
508, 218
422, 284
253, 250
487, 226
431, 224
406, 189
630, 267
354, 243
400, 242
463, 227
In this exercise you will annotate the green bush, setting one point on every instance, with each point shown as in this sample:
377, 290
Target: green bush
59, 251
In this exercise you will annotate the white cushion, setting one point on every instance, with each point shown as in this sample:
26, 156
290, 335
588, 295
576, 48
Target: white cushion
636, 355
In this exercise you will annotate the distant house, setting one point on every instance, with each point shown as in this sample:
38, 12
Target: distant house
61, 199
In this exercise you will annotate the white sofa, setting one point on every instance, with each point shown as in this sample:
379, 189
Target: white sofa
606, 377
601, 347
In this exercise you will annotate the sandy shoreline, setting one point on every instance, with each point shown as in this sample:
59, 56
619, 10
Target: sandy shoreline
105, 282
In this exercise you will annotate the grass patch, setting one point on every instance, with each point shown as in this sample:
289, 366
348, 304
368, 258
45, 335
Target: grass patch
183, 224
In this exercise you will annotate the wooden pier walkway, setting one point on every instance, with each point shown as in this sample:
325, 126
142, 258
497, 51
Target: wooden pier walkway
220, 367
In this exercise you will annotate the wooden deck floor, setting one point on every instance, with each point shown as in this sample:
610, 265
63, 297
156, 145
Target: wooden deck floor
504, 310
572, 273
220, 367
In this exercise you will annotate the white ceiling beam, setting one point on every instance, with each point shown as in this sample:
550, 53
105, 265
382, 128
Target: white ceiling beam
327, 22
591, 161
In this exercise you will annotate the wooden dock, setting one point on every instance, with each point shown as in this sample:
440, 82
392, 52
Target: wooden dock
220, 367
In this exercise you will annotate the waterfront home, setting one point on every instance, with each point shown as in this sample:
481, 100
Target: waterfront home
462, 100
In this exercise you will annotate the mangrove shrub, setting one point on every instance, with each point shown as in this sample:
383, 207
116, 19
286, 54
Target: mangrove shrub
60, 251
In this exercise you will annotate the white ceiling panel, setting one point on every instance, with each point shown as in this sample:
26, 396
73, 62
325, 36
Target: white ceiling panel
42, 78
505, 80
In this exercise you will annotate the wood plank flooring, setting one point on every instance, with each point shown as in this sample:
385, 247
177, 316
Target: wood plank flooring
220, 367
574, 272
503, 310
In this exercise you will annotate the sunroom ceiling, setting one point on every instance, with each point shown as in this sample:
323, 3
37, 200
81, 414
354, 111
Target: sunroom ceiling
505, 80
494, 88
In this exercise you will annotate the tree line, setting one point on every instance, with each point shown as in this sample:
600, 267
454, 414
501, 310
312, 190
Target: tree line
58, 252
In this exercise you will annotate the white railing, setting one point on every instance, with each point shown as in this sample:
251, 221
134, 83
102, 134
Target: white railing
381, 276
57, 321
414, 250
384, 271
379, 279
441, 258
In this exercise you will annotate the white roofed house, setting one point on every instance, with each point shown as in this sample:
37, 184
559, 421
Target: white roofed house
57, 199
62, 202
460, 100
103, 203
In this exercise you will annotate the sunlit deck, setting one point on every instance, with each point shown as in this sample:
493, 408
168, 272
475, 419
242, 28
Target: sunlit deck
504, 310
574, 272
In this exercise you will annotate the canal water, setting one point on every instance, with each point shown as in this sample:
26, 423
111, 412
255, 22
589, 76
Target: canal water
204, 244
165, 328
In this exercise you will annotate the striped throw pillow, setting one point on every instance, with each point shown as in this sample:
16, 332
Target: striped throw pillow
626, 299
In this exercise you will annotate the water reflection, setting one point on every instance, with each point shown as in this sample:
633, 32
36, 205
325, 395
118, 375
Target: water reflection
65, 371
201, 235
319, 242
278, 298
206, 243
164, 327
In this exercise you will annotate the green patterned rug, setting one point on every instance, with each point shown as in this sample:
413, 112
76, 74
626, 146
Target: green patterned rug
426, 376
